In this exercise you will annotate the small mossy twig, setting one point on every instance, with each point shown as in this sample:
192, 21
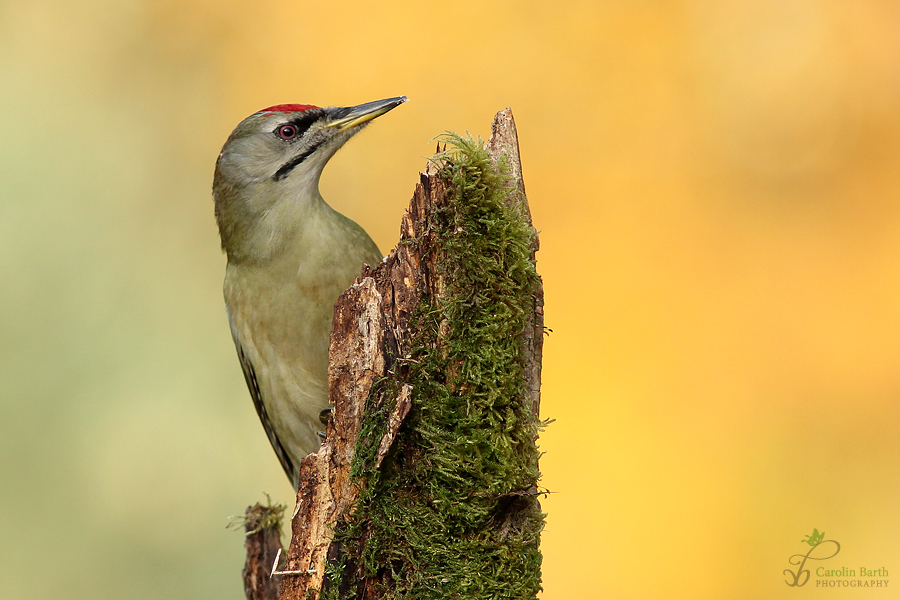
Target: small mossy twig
262, 526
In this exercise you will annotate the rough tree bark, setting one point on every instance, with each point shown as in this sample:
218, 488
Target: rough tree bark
371, 332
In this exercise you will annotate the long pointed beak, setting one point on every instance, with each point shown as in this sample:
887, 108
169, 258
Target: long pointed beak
345, 118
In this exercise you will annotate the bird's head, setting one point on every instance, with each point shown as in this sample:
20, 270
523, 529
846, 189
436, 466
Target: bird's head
271, 163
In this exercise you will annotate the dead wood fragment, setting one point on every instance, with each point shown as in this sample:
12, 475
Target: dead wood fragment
262, 525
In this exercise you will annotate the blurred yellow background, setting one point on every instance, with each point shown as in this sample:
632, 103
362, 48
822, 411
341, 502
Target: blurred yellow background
718, 190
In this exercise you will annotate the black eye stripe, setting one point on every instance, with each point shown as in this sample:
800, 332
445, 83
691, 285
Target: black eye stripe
302, 125
302, 121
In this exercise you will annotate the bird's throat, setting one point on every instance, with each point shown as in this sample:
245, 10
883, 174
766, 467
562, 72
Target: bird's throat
260, 224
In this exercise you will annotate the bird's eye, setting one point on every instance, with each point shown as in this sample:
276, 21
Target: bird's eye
287, 132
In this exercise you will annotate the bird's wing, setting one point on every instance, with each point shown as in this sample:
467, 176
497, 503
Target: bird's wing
250, 376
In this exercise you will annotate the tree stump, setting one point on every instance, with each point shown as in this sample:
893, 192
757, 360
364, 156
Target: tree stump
426, 483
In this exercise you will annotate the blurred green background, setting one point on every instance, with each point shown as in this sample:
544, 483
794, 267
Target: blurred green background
718, 189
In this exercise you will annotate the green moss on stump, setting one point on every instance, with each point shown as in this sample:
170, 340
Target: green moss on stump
452, 512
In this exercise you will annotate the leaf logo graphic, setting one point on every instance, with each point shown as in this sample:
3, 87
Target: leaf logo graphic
814, 538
